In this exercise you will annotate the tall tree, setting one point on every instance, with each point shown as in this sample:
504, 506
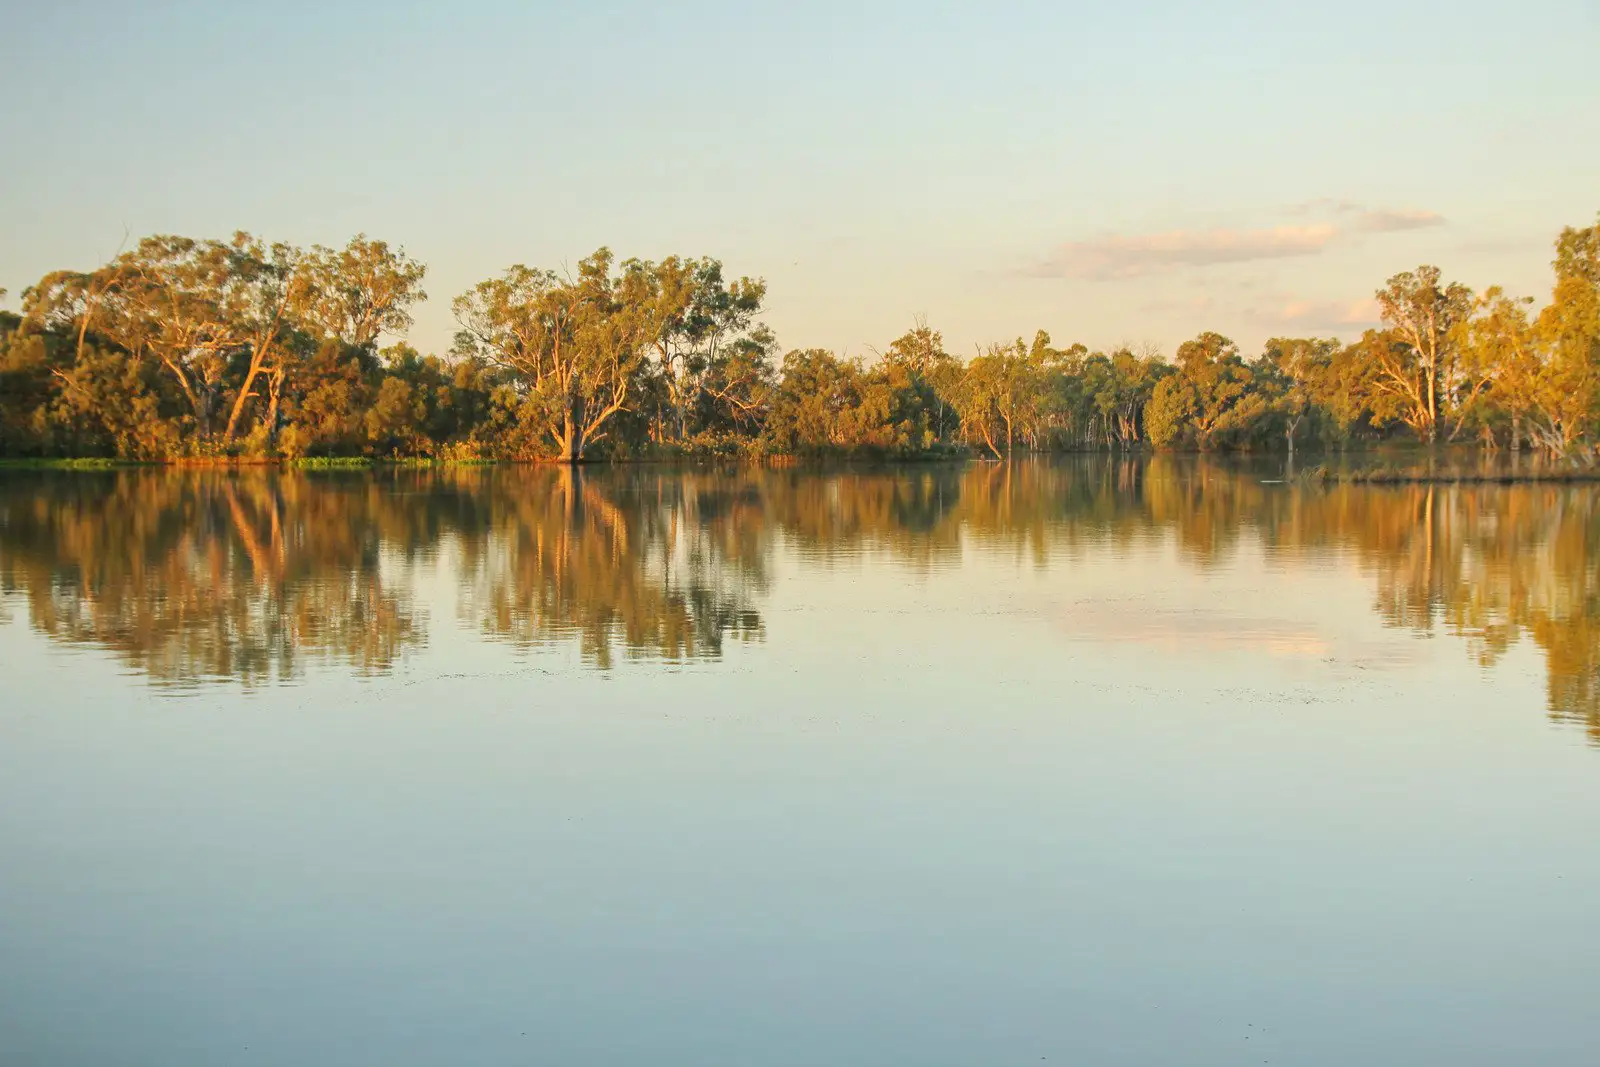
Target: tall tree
363, 291
1208, 400
696, 314
996, 393
575, 343
1570, 329
930, 372
273, 294
1293, 366
1501, 349
1424, 314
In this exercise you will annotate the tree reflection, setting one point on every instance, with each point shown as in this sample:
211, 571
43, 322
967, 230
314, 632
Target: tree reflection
190, 576
1492, 564
195, 575
664, 566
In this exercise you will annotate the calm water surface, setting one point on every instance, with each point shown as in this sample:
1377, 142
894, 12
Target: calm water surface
1097, 762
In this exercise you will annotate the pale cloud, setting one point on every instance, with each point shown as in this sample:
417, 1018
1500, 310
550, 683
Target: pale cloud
1202, 303
1323, 205
1313, 315
1363, 219
1107, 258
1395, 221
1122, 256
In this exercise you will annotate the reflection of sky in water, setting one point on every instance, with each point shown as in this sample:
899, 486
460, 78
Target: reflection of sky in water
1107, 802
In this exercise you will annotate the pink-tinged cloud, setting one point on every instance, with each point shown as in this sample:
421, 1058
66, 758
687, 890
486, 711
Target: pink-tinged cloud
1395, 221
1322, 314
1202, 303
1108, 258
1121, 256
1324, 205
1358, 218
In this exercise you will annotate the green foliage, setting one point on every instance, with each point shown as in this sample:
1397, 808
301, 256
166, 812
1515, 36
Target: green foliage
1170, 416
233, 349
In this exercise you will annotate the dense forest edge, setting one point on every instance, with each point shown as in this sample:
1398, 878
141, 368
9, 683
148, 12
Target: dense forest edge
238, 351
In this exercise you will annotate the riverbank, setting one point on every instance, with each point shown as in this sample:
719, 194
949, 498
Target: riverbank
1385, 467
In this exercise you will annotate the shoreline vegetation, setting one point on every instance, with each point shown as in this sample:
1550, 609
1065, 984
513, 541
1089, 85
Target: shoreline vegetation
1427, 472
238, 352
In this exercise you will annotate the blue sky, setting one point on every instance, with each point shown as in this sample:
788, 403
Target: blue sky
1134, 172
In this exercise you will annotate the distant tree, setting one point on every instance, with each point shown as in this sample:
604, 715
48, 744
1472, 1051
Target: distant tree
1210, 402
1290, 369
996, 395
931, 374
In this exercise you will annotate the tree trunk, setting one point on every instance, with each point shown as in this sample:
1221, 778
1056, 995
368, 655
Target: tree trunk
275, 391
202, 412
1433, 400
988, 438
571, 440
244, 396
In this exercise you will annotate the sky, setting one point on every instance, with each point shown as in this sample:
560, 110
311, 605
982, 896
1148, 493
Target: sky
1112, 173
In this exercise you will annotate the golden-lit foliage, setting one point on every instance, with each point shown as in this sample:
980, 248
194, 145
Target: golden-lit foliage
183, 348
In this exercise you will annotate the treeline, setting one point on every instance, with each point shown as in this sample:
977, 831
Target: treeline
184, 348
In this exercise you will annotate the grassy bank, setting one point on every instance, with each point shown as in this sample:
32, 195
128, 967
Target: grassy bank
1386, 475
1386, 467
93, 464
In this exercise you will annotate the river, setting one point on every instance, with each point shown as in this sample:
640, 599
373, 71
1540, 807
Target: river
1093, 761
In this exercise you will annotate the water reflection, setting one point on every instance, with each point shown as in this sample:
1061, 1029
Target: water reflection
192, 576
195, 575
663, 566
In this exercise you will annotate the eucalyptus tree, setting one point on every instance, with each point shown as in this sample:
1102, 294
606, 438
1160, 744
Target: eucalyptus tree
574, 343
697, 314
225, 318
1423, 371
1569, 328
1291, 368
930, 371
996, 394
338, 304
274, 294
1210, 402
171, 299
1105, 396
811, 410
363, 291
1502, 350
737, 387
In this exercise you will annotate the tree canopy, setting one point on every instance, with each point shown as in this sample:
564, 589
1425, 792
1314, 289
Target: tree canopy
185, 348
